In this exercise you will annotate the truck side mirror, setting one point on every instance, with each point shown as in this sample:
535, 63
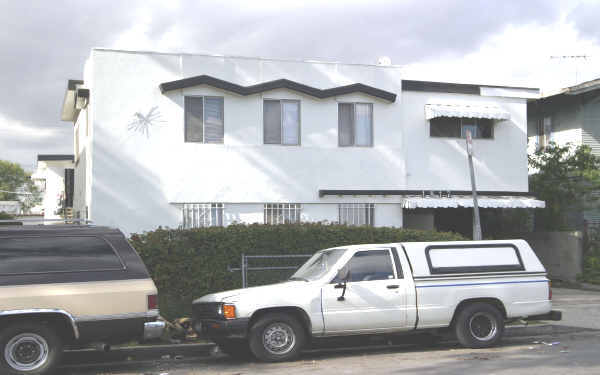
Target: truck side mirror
343, 275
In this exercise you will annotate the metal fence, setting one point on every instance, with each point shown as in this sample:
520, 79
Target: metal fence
245, 266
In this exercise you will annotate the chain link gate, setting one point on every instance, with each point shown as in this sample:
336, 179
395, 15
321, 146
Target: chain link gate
245, 267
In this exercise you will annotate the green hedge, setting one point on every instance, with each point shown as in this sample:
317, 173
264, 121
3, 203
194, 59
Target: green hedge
187, 264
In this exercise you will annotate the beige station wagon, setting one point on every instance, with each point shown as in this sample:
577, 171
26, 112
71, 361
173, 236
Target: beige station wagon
69, 285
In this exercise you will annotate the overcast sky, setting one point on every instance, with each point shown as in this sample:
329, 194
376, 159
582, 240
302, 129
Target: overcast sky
44, 43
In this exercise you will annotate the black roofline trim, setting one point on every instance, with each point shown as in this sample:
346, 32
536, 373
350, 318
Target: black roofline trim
455, 88
48, 157
324, 192
277, 84
72, 83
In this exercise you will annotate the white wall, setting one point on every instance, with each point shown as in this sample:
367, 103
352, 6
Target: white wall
138, 178
53, 172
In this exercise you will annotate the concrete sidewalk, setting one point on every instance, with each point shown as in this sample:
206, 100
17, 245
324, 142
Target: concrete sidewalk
581, 308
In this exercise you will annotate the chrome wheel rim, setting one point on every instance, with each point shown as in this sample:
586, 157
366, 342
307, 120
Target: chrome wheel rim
26, 352
483, 326
279, 338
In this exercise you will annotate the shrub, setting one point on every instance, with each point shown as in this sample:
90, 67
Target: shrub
187, 264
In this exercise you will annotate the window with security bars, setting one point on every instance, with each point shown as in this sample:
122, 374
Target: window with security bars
356, 213
282, 213
198, 215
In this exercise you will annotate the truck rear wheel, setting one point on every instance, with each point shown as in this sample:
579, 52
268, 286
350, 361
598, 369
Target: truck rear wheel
29, 349
479, 325
276, 337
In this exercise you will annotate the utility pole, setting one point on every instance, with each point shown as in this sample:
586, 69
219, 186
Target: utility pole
476, 220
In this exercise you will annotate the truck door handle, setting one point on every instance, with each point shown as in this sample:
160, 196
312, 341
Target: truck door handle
393, 286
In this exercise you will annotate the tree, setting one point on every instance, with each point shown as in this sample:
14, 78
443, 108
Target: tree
16, 185
565, 178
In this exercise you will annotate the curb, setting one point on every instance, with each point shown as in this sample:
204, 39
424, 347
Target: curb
541, 330
137, 353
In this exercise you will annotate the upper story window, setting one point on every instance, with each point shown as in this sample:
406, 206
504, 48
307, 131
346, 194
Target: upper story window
204, 119
281, 122
355, 124
456, 127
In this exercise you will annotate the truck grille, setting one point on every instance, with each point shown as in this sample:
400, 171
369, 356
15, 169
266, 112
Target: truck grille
207, 310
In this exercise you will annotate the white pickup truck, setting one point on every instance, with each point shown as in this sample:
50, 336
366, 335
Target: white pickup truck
470, 287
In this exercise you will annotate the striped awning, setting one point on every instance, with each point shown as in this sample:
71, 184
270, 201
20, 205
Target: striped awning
467, 201
465, 111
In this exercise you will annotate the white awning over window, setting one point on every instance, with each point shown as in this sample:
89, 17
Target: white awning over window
466, 111
467, 201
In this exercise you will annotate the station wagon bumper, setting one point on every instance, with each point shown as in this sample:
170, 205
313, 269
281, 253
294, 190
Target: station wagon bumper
153, 330
552, 315
234, 328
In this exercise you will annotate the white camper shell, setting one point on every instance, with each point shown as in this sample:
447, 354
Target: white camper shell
471, 287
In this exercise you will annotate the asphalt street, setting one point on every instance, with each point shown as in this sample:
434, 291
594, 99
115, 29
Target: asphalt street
571, 345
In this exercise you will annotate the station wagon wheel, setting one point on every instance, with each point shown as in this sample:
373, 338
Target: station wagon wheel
479, 325
276, 337
28, 348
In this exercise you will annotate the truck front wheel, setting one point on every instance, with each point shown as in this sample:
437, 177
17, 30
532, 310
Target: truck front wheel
276, 337
479, 325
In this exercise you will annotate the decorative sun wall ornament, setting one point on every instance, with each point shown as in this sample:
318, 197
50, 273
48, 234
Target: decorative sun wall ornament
142, 123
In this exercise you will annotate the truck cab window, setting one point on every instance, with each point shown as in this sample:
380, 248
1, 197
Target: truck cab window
371, 265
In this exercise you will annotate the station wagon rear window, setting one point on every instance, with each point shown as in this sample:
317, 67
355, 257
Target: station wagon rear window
56, 254
470, 259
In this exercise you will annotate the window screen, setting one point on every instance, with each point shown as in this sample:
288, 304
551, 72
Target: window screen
56, 254
204, 119
355, 124
193, 119
456, 127
493, 258
281, 122
371, 265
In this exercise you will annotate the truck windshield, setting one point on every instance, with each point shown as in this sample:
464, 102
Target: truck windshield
318, 265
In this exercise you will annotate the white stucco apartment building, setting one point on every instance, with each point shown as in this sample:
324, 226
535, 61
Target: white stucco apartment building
169, 139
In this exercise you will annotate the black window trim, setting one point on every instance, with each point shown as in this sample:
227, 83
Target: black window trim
492, 130
399, 273
392, 259
473, 269
185, 138
115, 252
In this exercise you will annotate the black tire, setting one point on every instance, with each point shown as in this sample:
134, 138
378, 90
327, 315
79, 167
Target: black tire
479, 325
235, 348
283, 331
36, 348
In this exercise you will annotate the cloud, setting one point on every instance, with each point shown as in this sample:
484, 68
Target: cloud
585, 18
48, 41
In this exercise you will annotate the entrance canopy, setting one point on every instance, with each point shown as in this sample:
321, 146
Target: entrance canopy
467, 201
465, 111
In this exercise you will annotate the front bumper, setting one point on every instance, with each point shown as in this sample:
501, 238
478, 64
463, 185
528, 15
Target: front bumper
154, 330
234, 328
555, 315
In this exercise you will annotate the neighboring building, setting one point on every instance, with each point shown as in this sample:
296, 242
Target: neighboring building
192, 140
54, 178
569, 116
11, 207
